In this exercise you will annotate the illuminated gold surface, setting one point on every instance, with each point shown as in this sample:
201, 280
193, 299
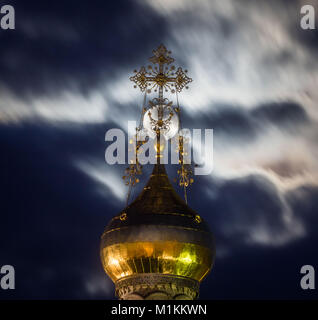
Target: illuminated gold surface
166, 257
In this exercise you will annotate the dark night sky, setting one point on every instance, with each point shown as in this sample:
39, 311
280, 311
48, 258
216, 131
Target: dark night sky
64, 80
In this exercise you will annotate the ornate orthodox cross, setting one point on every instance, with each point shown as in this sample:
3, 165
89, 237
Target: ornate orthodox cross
162, 76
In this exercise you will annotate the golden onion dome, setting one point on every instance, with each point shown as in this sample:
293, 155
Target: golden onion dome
158, 238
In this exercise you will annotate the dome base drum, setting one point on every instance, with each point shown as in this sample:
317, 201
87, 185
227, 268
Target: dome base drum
156, 286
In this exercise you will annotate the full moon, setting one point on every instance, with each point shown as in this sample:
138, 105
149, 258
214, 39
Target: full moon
168, 131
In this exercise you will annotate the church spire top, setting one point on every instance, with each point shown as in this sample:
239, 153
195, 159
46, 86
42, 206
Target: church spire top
160, 120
